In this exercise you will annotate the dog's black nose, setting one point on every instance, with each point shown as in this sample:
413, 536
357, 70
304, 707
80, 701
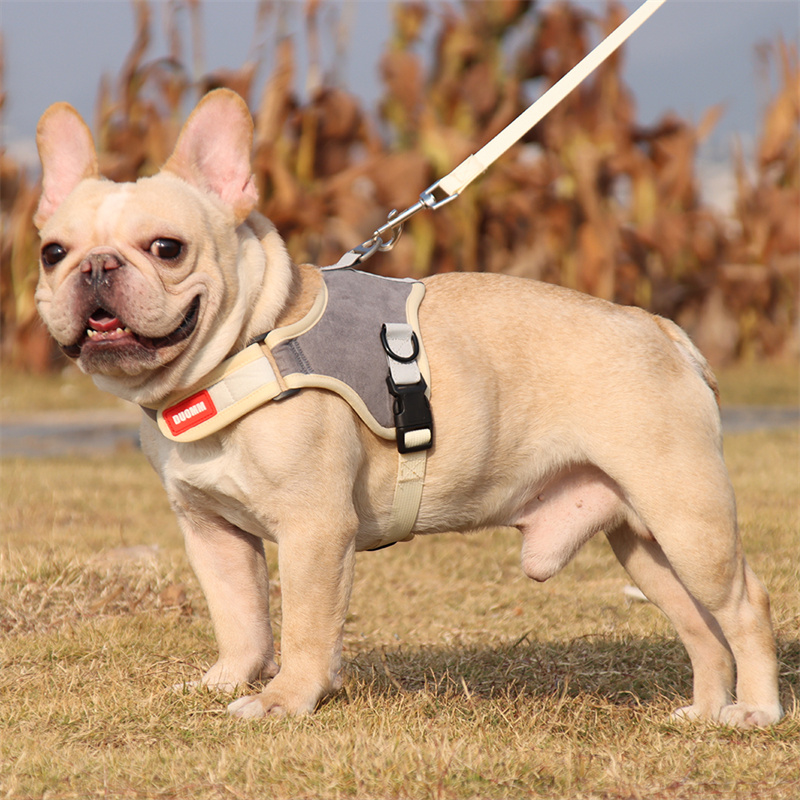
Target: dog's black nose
96, 266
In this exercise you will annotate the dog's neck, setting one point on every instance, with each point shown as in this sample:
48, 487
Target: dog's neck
285, 290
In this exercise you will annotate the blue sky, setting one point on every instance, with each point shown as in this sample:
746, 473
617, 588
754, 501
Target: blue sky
689, 56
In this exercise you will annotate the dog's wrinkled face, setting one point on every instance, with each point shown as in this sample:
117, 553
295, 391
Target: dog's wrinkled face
122, 286
146, 284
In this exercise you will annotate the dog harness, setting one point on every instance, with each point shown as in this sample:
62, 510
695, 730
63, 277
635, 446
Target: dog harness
361, 340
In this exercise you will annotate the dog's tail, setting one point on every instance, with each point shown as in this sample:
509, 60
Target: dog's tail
689, 351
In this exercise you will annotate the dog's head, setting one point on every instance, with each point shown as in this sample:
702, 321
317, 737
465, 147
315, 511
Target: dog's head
149, 285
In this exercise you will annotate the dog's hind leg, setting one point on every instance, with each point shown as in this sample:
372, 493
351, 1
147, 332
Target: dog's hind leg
740, 604
696, 572
712, 660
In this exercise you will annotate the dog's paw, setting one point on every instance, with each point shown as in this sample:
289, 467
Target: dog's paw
740, 715
276, 701
252, 707
694, 713
737, 715
226, 677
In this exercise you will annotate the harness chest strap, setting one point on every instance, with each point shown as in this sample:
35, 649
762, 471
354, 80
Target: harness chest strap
239, 385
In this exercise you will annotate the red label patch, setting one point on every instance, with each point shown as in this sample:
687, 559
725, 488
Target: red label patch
189, 412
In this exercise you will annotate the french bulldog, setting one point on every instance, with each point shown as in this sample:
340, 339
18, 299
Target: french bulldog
557, 414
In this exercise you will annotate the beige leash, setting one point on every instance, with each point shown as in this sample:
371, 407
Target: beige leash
454, 183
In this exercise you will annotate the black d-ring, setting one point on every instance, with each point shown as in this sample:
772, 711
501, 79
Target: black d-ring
392, 354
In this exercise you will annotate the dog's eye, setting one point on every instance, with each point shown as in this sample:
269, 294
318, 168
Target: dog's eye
166, 249
52, 254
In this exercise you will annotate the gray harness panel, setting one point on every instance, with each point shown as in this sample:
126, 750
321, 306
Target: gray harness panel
345, 343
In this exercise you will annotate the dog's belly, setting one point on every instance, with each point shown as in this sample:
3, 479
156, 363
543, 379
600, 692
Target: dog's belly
565, 514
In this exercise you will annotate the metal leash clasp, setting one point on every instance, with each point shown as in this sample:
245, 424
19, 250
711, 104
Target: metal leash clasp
394, 227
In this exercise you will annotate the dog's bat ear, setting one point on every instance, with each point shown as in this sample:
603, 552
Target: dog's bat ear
67, 153
213, 151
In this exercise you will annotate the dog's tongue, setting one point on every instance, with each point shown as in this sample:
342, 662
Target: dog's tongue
102, 321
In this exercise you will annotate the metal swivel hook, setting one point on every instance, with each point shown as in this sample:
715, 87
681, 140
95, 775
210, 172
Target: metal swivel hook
396, 229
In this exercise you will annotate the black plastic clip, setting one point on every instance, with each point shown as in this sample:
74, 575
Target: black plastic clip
412, 412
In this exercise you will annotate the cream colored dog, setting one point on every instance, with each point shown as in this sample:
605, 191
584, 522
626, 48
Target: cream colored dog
556, 414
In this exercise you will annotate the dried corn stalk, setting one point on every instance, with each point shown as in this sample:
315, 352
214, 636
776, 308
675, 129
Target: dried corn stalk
589, 199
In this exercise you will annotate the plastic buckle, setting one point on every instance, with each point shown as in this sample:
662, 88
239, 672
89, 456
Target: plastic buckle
412, 412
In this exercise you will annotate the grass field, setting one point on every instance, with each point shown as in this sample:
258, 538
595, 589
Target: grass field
463, 678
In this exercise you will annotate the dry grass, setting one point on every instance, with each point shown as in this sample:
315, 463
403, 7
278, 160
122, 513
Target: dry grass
464, 679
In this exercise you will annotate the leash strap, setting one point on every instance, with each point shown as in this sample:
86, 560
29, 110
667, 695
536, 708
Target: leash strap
456, 181
453, 184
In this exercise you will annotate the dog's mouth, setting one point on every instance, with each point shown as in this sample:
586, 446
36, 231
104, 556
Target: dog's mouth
105, 331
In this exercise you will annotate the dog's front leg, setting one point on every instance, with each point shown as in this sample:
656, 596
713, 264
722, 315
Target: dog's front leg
232, 572
316, 579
